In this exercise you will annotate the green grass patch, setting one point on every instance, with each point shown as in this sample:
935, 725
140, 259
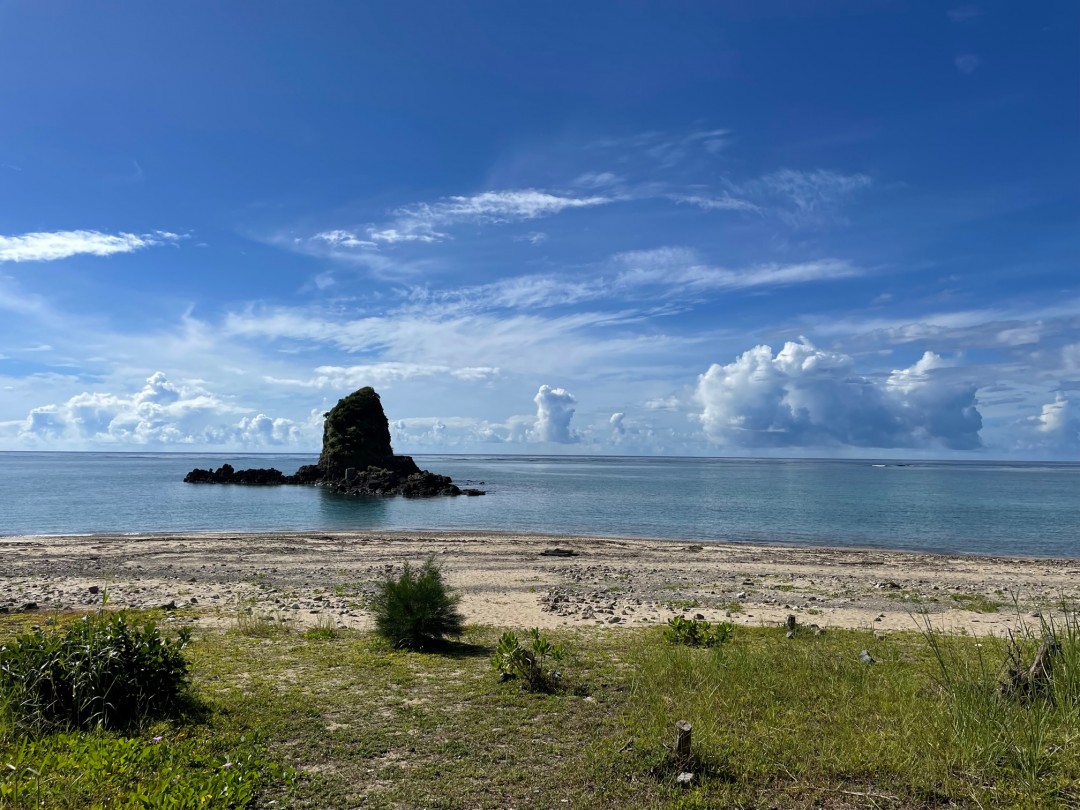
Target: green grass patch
976, 602
777, 722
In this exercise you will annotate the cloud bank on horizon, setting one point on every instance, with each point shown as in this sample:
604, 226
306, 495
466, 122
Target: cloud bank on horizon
746, 237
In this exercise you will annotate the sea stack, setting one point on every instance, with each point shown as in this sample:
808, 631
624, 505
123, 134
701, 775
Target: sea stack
356, 458
356, 434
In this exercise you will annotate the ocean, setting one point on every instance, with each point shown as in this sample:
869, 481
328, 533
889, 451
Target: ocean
1011, 509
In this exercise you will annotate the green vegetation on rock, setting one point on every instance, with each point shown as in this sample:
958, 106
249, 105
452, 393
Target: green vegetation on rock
356, 434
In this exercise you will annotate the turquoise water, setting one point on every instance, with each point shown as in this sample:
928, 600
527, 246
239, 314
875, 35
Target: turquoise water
1009, 509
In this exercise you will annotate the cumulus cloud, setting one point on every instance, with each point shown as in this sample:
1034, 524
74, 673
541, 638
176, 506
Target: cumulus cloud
805, 397
1058, 426
160, 413
554, 410
616, 422
48, 246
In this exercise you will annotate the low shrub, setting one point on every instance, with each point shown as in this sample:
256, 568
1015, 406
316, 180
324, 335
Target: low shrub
101, 671
528, 662
697, 632
417, 609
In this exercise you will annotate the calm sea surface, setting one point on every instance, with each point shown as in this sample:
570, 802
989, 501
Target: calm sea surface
1012, 509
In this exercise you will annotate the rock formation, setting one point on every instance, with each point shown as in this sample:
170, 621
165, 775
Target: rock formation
356, 458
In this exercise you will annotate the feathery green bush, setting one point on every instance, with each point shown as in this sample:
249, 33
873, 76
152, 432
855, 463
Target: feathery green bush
417, 609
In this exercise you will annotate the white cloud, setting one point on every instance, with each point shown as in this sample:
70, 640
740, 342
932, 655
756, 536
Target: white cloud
382, 374
663, 403
966, 13
341, 238
49, 246
1055, 431
724, 202
807, 397
804, 199
554, 410
160, 413
426, 222
532, 237
1059, 418
1070, 357
680, 268
618, 429
967, 63
597, 180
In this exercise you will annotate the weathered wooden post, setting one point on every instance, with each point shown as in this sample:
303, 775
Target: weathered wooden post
790, 624
682, 741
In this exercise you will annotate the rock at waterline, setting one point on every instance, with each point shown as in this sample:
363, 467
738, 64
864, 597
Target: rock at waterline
356, 459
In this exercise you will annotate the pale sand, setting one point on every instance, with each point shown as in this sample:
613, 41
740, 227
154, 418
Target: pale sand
505, 581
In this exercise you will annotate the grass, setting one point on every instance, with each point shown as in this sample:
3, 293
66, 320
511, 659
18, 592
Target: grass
776, 723
977, 602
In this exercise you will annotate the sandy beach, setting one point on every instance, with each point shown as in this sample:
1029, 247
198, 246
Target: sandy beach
509, 580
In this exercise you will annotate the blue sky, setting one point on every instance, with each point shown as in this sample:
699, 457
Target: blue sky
777, 228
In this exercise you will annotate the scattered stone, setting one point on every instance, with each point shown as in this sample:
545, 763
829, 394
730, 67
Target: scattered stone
558, 552
94, 589
866, 657
614, 620
684, 779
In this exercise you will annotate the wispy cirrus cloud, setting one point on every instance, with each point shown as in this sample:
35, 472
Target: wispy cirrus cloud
381, 374
804, 198
666, 274
682, 270
965, 13
800, 199
46, 246
429, 222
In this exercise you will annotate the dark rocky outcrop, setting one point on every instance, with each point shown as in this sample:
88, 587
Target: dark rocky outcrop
356, 459
225, 474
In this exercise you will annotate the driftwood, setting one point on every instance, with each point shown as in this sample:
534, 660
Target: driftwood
1025, 682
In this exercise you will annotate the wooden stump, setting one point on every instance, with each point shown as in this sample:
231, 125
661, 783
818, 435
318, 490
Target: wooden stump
682, 740
1027, 682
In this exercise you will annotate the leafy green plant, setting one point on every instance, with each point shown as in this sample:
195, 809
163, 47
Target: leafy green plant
697, 632
101, 671
530, 662
417, 609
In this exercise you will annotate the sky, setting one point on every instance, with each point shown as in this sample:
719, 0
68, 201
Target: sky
803, 228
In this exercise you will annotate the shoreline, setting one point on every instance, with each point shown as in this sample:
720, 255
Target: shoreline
505, 580
779, 545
